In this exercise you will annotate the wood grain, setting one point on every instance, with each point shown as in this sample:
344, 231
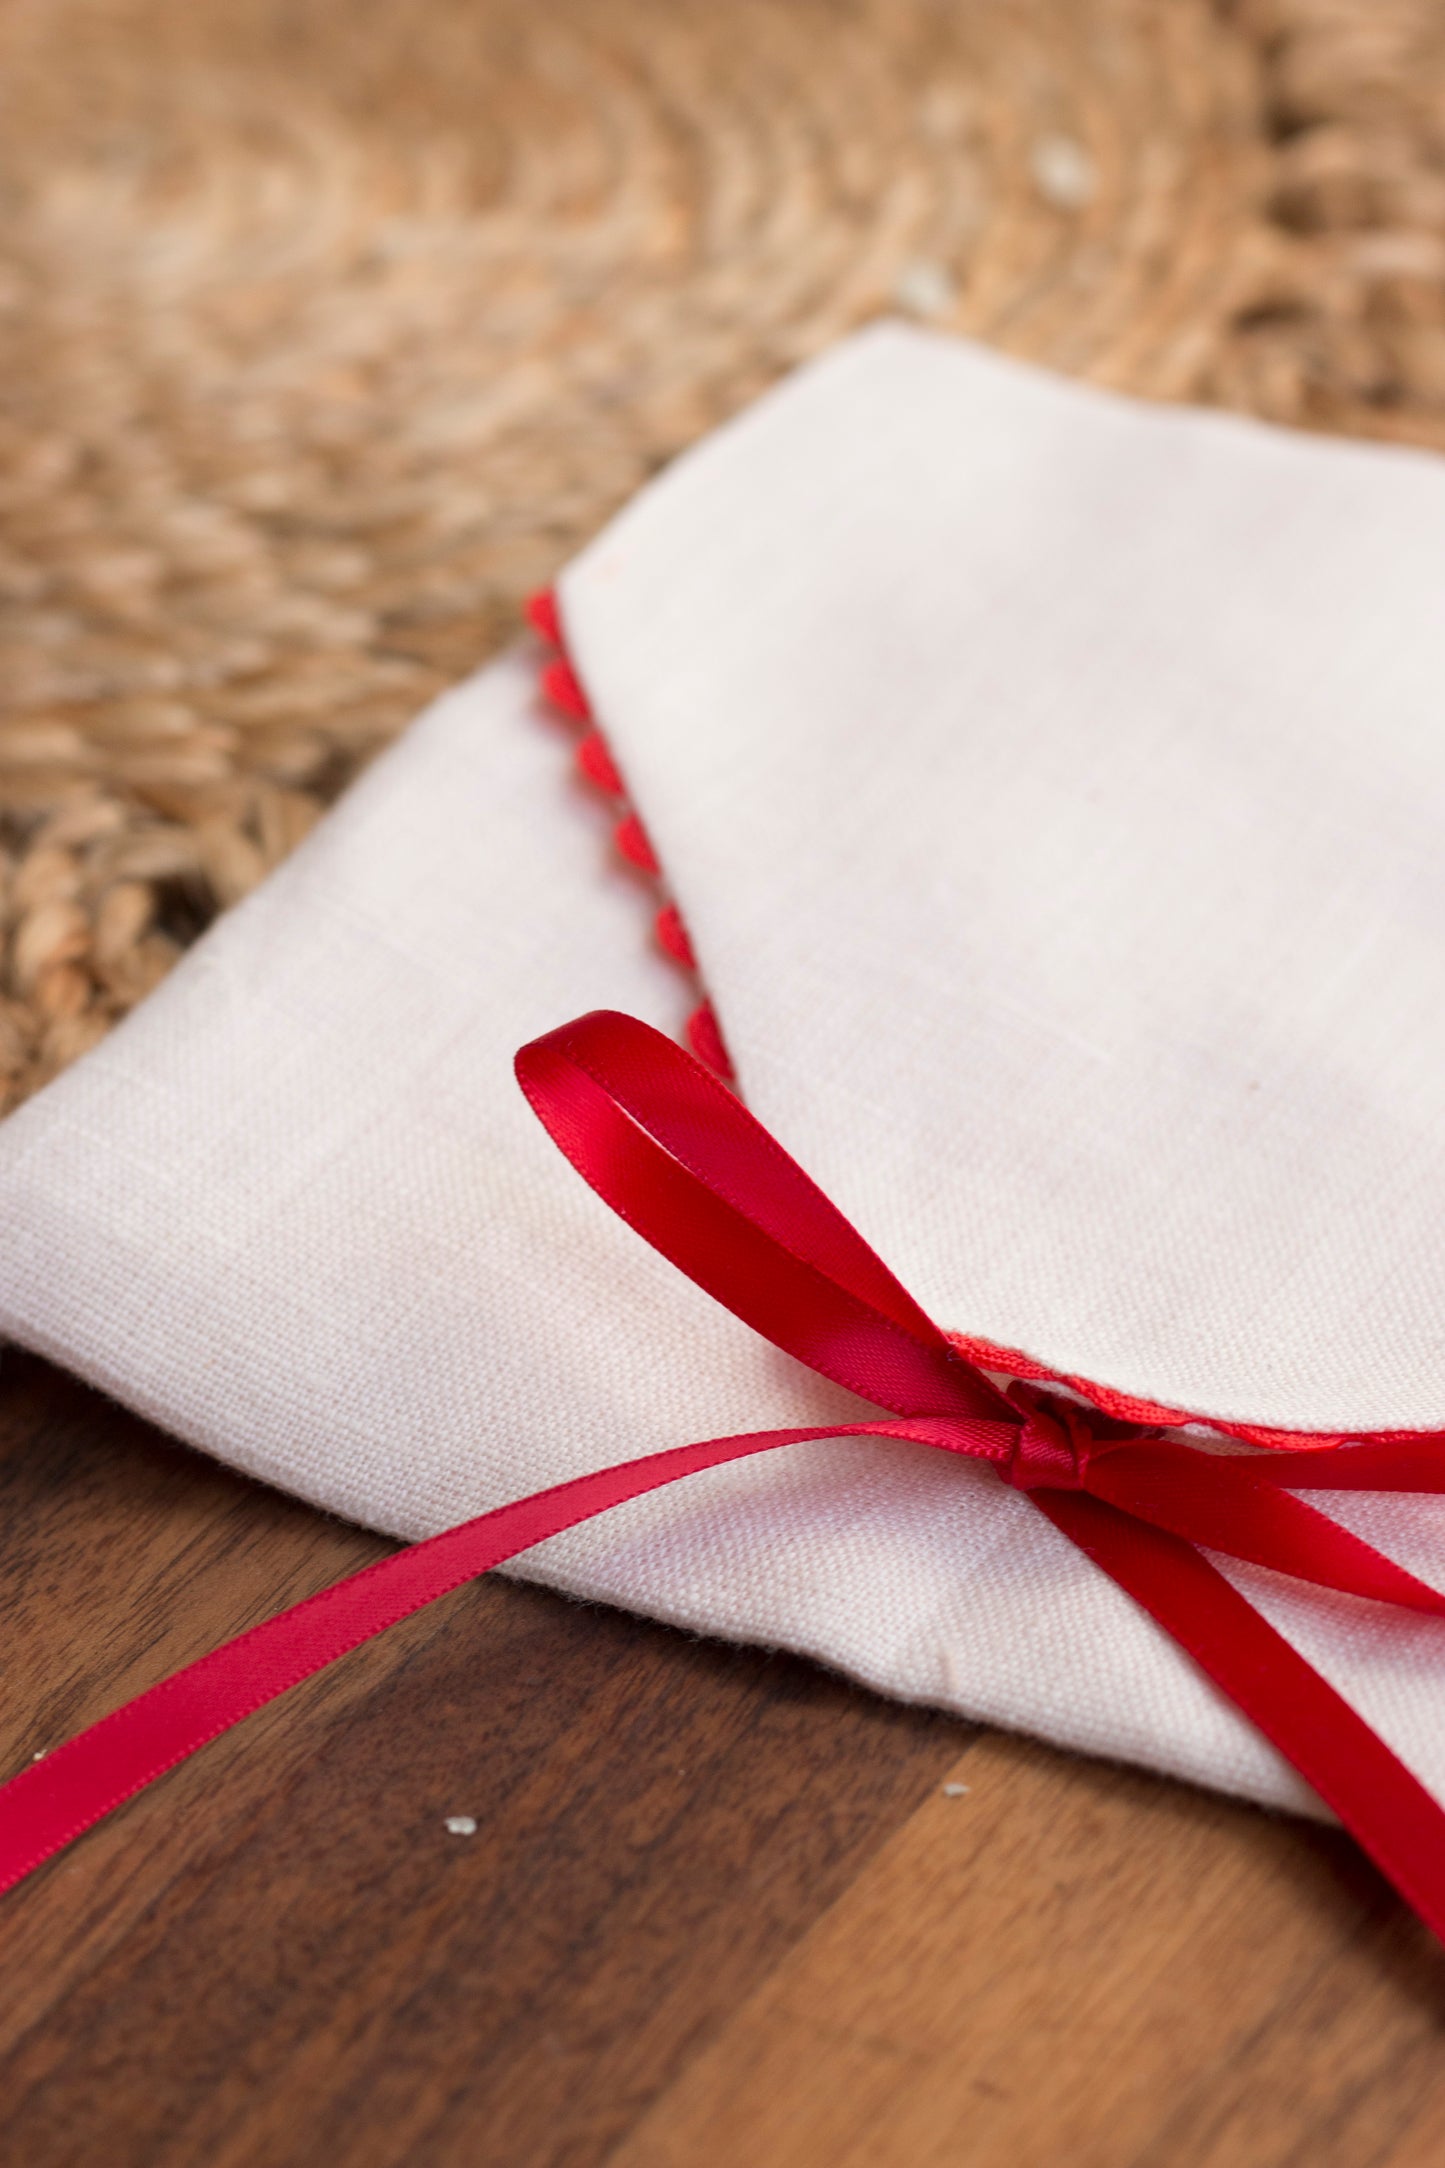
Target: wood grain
280, 1955
720, 1906
1076, 1964
328, 328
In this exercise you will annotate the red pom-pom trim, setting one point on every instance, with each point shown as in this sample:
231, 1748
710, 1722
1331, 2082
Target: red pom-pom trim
541, 613
707, 1041
598, 765
564, 689
672, 935
566, 692
631, 839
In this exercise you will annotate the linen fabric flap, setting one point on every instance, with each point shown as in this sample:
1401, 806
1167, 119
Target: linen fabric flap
1050, 789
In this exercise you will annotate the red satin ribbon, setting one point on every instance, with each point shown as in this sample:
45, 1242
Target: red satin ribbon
676, 1156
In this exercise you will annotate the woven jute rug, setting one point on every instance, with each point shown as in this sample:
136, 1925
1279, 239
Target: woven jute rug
329, 329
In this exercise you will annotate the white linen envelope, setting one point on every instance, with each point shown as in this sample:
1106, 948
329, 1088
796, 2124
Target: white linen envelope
1052, 788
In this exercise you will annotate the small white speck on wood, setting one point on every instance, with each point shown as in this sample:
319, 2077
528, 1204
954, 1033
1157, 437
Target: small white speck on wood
954, 1791
461, 1825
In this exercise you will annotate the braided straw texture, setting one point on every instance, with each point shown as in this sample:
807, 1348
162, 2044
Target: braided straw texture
329, 330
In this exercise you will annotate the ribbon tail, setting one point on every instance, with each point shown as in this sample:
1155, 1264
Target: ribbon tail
1236, 1504
66, 1793
1401, 1464
1386, 1809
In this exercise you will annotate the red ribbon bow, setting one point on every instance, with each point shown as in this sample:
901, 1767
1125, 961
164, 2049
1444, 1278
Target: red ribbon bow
676, 1156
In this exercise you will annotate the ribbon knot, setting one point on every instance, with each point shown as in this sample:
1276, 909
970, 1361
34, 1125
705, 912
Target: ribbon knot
676, 1156
1053, 1445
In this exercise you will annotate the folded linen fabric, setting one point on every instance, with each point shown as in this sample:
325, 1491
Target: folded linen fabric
1049, 786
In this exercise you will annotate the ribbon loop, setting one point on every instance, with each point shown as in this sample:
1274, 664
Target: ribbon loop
749, 1226
687, 1167
681, 1160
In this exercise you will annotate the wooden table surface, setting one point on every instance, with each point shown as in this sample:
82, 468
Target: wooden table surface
720, 1906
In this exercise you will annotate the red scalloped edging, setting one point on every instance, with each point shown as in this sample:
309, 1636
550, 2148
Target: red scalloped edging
1013, 1363
564, 690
